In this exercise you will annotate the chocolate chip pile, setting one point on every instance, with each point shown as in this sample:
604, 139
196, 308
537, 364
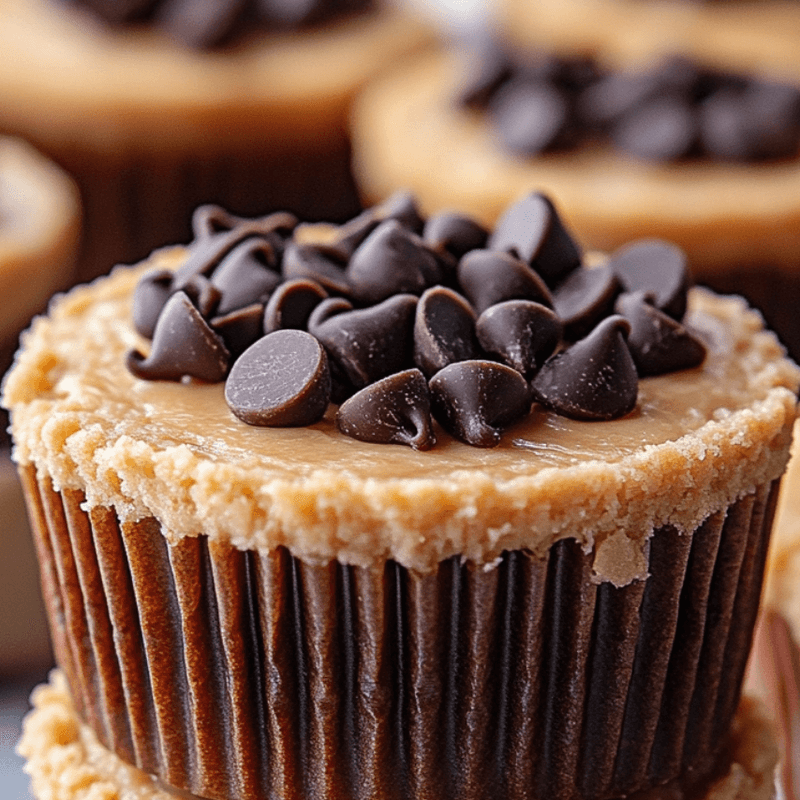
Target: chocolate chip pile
211, 23
672, 111
402, 320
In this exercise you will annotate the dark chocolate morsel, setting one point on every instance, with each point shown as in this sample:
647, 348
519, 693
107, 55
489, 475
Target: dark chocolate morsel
486, 69
393, 410
391, 260
529, 118
248, 274
475, 400
291, 304
532, 229
183, 345
280, 381
488, 277
180, 19
444, 330
665, 129
657, 267
658, 343
324, 310
617, 94
151, 293
521, 333
401, 206
203, 294
240, 328
456, 234
594, 379
210, 219
371, 343
584, 297
309, 261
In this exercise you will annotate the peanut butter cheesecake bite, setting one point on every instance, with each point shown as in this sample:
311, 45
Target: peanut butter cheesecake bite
157, 107
689, 146
429, 509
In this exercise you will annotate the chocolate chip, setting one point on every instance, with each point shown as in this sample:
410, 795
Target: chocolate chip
240, 328
280, 381
584, 297
655, 266
389, 261
152, 292
371, 343
530, 118
402, 207
665, 129
475, 400
183, 345
444, 330
291, 304
594, 379
488, 277
204, 295
485, 70
456, 234
326, 309
657, 342
200, 27
532, 229
393, 410
248, 274
520, 332
309, 261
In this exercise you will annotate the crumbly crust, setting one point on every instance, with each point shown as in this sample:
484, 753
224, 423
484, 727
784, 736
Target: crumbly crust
409, 131
175, 452
65, 79
39, 227
66, 762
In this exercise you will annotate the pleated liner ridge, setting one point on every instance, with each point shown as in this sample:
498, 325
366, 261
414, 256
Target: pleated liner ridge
241, 675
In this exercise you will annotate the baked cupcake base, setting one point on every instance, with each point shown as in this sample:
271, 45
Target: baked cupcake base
66, 761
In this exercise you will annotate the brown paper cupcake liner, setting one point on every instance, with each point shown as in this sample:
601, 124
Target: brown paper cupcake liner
234, 675
134, 203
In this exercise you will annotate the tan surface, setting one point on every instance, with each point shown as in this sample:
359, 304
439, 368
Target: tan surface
39, 228
409, 132
757, 35
66, 762
64, 80
698, 440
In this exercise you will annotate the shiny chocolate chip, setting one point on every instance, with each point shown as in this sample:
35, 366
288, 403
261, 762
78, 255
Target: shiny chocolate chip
488, 277
184, 345
521, 333
240, 328
657, 267
617, 94
444, 330
309, 261
475, 401
327, 308
391, 260
370, 343
280, 381
530, 118
658, 343
151, 294
246, 275
291, 304
664, 129
393, 410
203, 294
594, 379
585, 297
532, 229
402, 207
456, 234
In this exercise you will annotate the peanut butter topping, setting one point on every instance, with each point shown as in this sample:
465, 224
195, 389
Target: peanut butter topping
176, 451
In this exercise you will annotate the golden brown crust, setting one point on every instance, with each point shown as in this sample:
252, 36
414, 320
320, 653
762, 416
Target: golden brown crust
176, 452
66, 762
39, 228
408, 131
